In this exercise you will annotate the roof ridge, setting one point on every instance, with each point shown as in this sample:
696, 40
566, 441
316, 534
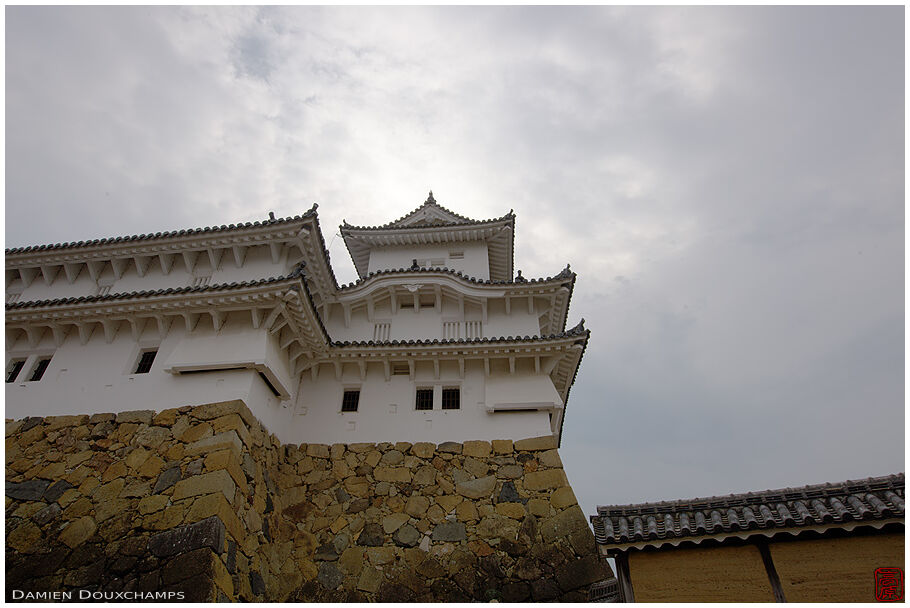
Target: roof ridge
466, 221
166, 234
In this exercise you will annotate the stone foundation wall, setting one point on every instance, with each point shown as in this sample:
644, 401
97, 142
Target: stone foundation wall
204, 504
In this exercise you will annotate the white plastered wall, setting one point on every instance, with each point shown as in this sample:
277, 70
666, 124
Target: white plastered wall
474, 263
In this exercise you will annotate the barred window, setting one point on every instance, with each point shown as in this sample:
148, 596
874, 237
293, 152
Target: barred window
350, 401
424, 399
14, 369
145, 362
40, 369
451, 398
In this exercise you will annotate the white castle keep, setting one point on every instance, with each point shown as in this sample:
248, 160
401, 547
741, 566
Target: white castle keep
436, 341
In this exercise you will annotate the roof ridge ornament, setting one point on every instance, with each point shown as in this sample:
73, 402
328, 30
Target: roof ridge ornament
430, 199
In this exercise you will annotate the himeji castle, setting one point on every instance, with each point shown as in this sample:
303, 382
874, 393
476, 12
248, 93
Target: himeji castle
439, 339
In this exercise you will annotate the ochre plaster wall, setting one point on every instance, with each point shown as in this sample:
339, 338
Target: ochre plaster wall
835, 569
712, 574
205, 502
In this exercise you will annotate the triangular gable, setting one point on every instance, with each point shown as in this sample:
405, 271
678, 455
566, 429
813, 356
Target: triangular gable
429, 214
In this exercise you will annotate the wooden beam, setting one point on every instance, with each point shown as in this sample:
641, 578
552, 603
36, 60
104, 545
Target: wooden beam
531, 305
370, 308
110, 329
167, 262
387, 367
189, 260
49, 273
190, 319
164, 325
28, 275
218, 318
95, 269
275, 249
461, 367
416, 296
118, 266
256, 315
483, 310
85, 332
72, 271
436, 369
136, 328
512, 365
314, 372
362, 364
338, 370
239, 255
411, 369
142, 263
508, 305
59, 335
347, 313
486, 366
215, 257
34, 335
438, 291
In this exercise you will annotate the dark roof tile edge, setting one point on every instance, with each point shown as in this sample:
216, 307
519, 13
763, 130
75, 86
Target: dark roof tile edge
563, 274
747, 498
156, 292
577, 331
159, 235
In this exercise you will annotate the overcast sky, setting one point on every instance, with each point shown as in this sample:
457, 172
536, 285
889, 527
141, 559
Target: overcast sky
726, 182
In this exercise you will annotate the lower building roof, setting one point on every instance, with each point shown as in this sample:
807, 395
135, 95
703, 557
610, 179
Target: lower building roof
876, 501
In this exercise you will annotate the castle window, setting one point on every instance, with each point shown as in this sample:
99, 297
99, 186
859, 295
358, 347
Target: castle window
456, 255
424, 399
15, 367
38, 373
145, 362
451, 398
400, 369
427, 302
350, 401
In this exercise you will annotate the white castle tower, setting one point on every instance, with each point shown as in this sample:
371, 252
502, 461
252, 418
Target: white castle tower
436, 341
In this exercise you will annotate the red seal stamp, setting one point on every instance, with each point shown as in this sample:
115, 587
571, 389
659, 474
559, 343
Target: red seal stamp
889, 584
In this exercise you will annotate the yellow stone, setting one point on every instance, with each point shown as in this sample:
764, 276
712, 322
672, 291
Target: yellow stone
338, 525
151, 467
165, 520
207, 483
477, 449
197, 432
53, 471
221, 577
392, 474
539, 507
535, 444
562, 498
515, 510
108, 491
216, 504
24, 537
448, 502
153, 503
74, 460
165, 418
466, 511
545, 480
114, 471
135, 458
78, 508
232, 422
423, 449
175, 452
78, 532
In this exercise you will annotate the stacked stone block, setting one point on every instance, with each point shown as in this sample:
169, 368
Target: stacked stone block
204, 501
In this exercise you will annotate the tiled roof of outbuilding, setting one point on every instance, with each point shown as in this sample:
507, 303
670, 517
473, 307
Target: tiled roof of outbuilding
161, 235
875, 498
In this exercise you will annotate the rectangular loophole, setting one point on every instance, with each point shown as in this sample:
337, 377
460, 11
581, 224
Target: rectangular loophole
424, 399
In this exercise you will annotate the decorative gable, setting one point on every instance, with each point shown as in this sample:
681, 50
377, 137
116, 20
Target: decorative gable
429, 214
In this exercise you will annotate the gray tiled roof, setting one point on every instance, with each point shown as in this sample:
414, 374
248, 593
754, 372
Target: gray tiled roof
127, 295
875, 498
430, 202
161, 235
577, 331
565, 273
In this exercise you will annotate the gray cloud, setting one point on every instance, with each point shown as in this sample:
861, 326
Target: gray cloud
727, 182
